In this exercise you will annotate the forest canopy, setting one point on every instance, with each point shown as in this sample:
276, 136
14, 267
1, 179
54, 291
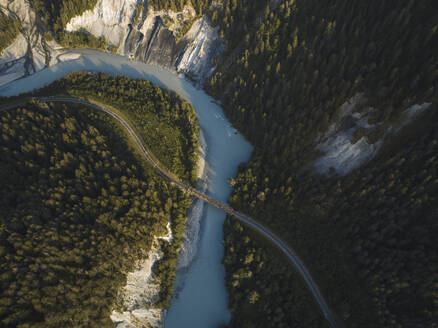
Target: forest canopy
174, 140
78, 209
286, 70
287, 67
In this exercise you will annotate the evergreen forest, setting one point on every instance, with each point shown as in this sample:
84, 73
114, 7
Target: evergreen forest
287, 68
166, 123
368, 238
79, 207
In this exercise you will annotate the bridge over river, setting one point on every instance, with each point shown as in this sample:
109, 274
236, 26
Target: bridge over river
148, 156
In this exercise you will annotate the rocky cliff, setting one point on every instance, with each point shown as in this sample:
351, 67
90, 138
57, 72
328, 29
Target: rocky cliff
344, 148
30, 52
177, 41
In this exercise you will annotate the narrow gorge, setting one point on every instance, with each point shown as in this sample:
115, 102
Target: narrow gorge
317, 120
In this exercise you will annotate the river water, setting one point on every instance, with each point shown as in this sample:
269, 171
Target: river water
201, 300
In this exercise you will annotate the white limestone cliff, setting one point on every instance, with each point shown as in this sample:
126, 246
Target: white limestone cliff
153, 37
141, 292
201, 50
109, 19
30, 52
340, 152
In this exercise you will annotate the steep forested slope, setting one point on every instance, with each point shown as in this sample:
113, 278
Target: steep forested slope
386, 213
78, 208
265, 290
287, 68
305, 59
283, 86
368, 237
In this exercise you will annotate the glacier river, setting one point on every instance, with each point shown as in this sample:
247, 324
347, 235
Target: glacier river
201, 299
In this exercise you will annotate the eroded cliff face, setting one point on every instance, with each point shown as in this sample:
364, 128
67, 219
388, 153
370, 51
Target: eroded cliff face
154, 37
108, 19
177, 41
141, 292
342, 152
30, 52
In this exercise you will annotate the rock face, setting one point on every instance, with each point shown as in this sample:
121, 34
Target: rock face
140, 33
108, 19
156, 46
154, 37
30, 52
141, 292
342, 153
202, 45
138, 296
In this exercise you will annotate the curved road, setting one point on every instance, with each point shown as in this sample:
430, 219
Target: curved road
194, 192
